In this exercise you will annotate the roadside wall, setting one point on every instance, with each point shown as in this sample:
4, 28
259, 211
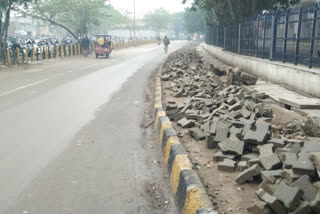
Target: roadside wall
298, 78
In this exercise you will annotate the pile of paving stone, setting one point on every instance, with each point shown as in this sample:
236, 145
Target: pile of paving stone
235, 120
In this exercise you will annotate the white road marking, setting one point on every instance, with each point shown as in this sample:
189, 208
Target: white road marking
31, 71
150, 49
92, 65
23, 87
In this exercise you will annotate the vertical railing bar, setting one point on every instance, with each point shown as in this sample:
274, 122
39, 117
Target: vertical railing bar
284, 51
273, 36
264, 36
225, 37
313, 33
298, 37
239, 39
257, 36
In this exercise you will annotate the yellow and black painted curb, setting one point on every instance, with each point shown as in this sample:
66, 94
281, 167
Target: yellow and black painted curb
186, 187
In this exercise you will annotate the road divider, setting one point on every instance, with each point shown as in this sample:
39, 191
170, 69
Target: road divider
187, 189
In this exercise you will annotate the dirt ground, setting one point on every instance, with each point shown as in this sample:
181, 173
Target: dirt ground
226, 195
160, 202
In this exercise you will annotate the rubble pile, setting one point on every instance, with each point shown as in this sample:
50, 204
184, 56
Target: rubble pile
235, 120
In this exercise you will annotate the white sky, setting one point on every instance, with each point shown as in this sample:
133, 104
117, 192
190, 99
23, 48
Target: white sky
144, 6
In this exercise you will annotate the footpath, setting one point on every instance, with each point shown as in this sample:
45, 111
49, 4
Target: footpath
254, 149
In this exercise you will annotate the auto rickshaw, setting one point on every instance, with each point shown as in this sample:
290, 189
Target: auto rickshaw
103, 45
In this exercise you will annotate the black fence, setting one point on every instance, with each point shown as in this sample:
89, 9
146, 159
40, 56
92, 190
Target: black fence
291, 35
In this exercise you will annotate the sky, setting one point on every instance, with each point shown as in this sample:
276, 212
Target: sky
144, 6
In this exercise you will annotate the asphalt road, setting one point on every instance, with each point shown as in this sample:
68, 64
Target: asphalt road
72, 137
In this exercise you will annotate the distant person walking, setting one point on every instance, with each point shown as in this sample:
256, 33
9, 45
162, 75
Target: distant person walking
166, 43
85, 45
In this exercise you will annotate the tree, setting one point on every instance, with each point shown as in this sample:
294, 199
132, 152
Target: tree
6, 8
110, 19
195, 20
75, 16
158, 20
179, 24
128, 22
230, 11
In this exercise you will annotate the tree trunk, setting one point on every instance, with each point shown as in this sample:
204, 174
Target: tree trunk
4, 34
0, 25
0, 35
232, 11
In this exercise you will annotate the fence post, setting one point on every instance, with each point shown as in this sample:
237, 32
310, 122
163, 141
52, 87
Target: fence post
264, 35
18, 55
27, 55
315, 10
217, 39
33, 55
298, 37
257, 35
225, 37
8, 56
37, 54
40, 54
61, 51
211, 36
46, 53
51, 52
67, 50
239, 39
273, 37
285, 39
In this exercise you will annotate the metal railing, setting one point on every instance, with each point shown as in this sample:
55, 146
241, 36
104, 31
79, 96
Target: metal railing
291, 35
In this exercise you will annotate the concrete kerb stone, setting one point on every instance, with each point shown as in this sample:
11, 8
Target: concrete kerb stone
197, 201
181, 162
158, 94
157, 108
188, 178
190, 196
173, 140
159, 114
158, 98
176, 149
169, 132
164, 124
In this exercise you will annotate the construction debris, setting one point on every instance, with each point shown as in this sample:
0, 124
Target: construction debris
237, 122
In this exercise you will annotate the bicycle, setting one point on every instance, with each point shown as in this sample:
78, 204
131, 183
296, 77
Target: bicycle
166, 49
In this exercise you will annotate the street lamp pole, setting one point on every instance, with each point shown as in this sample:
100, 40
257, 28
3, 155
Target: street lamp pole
134, 22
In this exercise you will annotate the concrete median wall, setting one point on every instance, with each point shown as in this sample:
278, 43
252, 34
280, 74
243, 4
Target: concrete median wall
298, 78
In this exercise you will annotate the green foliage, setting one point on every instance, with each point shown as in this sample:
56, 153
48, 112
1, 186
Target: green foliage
178, 24
195, 20
229, 11
3, 5
77, 15
110, 19
158, 20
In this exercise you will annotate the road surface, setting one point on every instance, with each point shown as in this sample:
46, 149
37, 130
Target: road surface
72, 137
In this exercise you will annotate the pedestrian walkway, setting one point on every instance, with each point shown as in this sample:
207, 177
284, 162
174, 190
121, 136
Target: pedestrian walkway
303, 104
